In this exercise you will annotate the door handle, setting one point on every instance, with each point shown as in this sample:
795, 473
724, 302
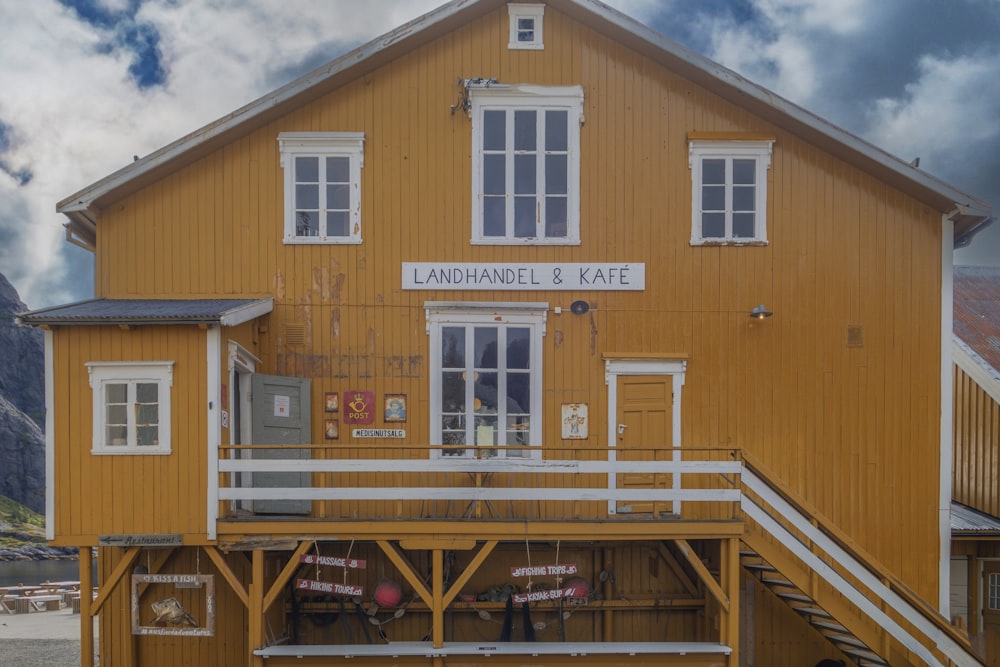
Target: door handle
621, 428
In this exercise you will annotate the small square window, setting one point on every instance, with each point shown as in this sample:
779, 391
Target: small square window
322, 186
525, 26
131, 407
729, 191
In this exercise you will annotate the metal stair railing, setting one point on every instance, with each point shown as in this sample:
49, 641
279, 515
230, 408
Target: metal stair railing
772, 503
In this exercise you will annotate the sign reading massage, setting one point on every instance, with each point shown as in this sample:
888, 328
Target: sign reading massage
538, 276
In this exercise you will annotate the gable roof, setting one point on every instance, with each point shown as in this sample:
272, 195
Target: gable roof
977, 325
971, 523
82, 208
134, 312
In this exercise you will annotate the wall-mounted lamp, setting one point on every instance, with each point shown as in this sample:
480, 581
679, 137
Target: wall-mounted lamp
579, 307
760, 312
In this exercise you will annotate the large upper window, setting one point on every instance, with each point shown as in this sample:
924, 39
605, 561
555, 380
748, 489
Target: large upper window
526, 164
729, 191
131, 407
322, 186
486, 377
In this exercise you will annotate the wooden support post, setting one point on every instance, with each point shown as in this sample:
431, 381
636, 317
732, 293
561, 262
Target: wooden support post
607, 634
437, 594
86, 598
256, 609
730, 575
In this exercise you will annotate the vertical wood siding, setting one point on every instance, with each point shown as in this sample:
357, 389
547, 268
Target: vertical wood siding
977, 446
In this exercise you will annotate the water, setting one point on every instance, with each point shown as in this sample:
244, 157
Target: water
31, 572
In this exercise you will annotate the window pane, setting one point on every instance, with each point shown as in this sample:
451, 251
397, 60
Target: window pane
518, 393
452, 392
743, 198
524, 217
338, 197
743, 225
147, 392
744, 172
338, 169
494, 216
338, 223
525, 35
485, 391
486, 347
494, 167
713, 172
307, 223
147, 414
713, 225
524, 174
556, 224
518, 430
556, 130
556, 170
713, 198
518, 347
307, 196
994, 594
494, 130
453, 347
147, 436
116, 436
117, 414
525, 132
116, 393
307, 169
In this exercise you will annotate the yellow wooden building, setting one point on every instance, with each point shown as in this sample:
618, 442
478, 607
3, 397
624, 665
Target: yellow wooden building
975, 575
518, 335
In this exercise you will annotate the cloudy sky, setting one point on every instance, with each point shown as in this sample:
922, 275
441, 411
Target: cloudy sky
87, 84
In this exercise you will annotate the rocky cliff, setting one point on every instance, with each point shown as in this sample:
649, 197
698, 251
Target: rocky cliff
22, 405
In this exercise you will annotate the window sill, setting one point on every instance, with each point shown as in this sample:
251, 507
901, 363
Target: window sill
312, 241
130, 452
522, 242
729, 242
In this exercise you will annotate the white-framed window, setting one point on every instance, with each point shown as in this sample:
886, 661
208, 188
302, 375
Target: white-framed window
729, 191
131, 406
486, 377
526, 164
322, 186
525, 26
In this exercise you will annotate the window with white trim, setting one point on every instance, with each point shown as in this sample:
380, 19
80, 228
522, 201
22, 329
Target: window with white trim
525, 26
729, 191
131, 406
486, 378
526, 164
322, 186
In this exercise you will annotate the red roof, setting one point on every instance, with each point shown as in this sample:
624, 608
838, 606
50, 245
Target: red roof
977, 311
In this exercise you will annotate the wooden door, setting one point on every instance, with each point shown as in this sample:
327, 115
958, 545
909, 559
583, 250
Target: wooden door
280, 417
645, 433
991, 611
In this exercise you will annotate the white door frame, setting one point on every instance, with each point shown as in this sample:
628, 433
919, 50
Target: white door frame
676, 368
244, 363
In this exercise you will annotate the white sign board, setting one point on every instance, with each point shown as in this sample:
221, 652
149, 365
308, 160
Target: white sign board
379, 433
535, 277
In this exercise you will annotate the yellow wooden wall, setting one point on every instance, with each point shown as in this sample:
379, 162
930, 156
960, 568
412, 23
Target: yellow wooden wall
977, 446
853, 429
129, 494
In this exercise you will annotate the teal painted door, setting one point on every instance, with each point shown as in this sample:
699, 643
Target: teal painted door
280, 417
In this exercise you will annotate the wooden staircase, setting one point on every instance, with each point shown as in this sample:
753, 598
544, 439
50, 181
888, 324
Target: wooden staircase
842, 638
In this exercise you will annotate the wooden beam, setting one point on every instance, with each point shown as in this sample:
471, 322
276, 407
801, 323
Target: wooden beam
223, 567
255, 633
407, 570
285, 574
470, 570
437, 609
428, 543
730, 575
124, 565
86, 599
706, 577
678, 571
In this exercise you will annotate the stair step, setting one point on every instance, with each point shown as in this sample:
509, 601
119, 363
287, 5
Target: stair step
848, 640
796, 597
811, 611
830, 625
868, 656
763, 567
778, 583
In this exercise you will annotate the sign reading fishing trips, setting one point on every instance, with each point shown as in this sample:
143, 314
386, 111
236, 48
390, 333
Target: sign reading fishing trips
543, 570
333, 561
347, 590
551, 594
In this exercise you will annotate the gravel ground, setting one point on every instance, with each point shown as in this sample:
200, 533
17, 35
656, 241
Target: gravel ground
40, 639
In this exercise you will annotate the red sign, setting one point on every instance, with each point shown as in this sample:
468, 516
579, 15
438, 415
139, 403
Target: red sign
359, 407
333, 561
542, 570
346, 590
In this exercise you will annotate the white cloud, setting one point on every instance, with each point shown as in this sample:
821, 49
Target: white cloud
842, 17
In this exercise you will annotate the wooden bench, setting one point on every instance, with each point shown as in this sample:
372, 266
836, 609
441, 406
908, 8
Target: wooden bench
45, 602
426, 649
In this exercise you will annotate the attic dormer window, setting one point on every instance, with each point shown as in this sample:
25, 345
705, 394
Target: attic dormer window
525, 26
322, 186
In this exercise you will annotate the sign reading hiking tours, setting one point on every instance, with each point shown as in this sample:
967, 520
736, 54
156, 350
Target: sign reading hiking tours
347, 590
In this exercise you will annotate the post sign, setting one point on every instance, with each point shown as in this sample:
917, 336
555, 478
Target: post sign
359, 407
617, 276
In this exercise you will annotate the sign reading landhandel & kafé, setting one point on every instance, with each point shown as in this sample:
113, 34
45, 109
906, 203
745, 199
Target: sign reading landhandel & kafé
531, 276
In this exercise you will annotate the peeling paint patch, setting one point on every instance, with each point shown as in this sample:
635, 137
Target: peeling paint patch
303, 365
399, 366
559, 337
